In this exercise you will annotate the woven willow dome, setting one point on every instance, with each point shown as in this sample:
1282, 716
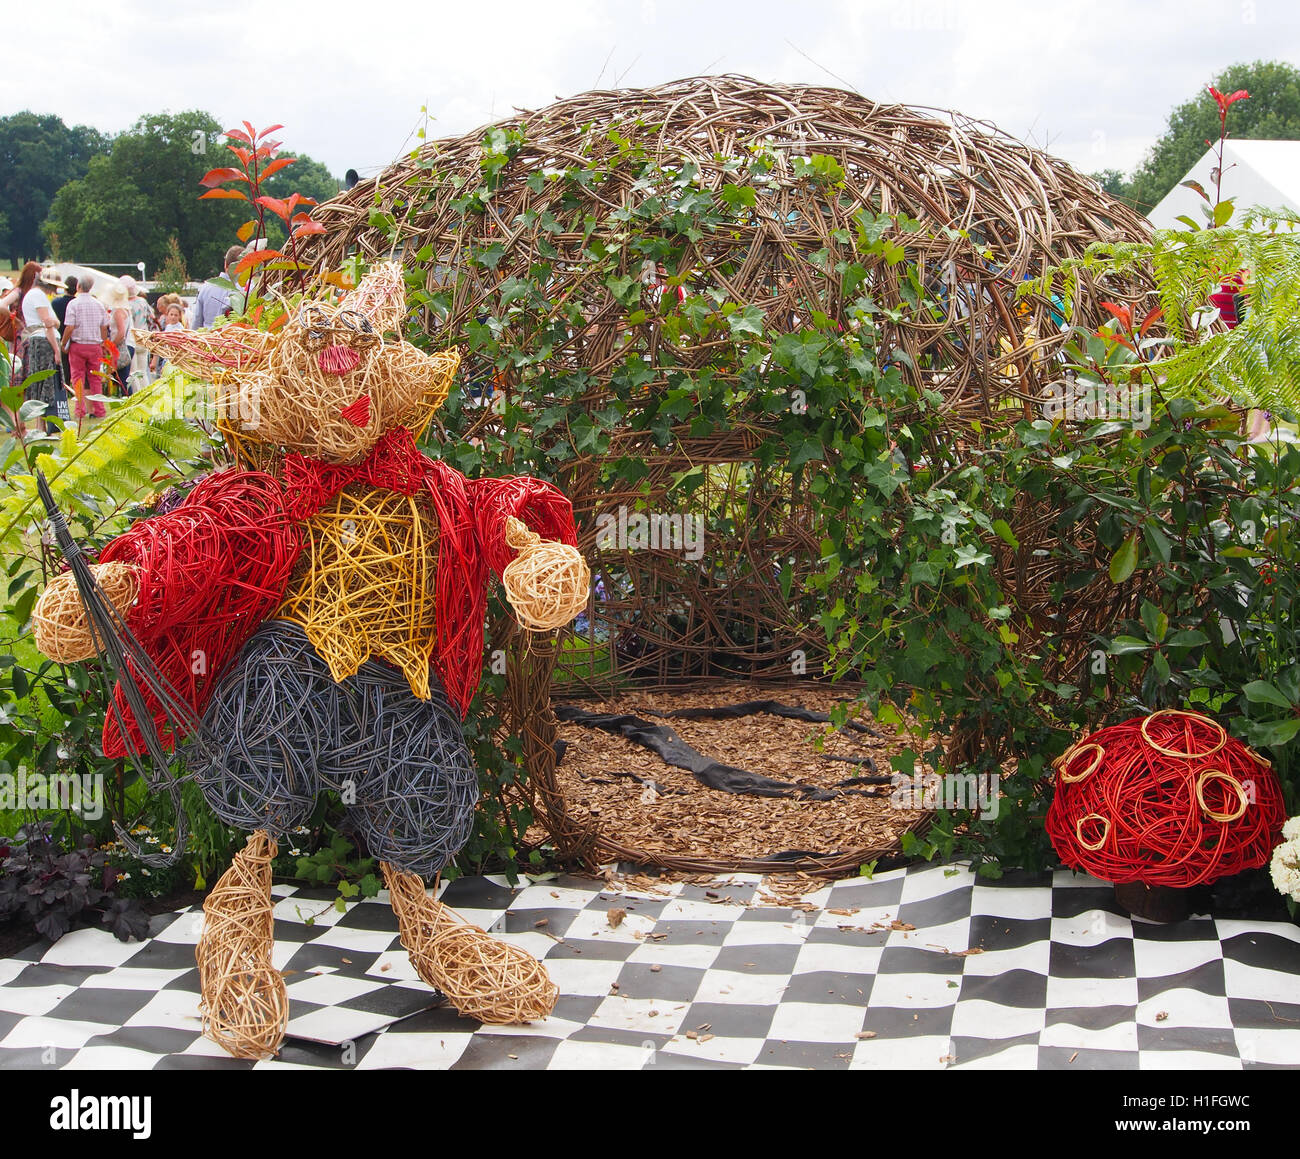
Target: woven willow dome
992, 211
517, 228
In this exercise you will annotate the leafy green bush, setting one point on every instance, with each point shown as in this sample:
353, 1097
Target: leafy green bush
1192, 530
336, 863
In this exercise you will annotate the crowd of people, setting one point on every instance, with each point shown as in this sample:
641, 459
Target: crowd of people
70, 342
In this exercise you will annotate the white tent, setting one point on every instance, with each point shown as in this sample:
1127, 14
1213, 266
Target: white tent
64, 270
1262, 173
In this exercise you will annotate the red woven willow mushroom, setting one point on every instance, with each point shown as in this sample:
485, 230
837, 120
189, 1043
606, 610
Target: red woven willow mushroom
1167, 799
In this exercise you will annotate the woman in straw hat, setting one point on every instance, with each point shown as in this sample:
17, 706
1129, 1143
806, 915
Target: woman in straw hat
42, 371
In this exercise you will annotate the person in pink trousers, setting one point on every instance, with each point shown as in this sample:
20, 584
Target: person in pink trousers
85, 330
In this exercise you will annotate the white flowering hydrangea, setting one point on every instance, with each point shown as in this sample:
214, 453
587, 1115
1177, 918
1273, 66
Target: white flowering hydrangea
1285, 866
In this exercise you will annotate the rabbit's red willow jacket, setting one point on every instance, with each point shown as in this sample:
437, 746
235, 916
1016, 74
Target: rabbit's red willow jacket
216, 566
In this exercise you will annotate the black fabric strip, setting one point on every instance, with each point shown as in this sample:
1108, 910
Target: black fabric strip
662, 740
773, 707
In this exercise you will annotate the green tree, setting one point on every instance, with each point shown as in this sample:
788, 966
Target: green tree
1272, 113
145, 190
38, 155
104, 217
173, 277
1111, 180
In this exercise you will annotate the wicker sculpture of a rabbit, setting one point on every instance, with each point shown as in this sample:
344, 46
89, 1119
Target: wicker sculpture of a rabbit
322, 609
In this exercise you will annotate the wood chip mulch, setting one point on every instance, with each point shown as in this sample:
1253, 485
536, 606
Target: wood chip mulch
674, 815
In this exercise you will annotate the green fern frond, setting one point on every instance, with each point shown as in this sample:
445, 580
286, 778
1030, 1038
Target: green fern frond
117, 462
1255, 365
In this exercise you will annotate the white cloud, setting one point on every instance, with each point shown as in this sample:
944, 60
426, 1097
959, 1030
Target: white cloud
1094, 82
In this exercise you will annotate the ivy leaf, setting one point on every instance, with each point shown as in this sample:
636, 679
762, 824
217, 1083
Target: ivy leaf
626, 289
892, 252
807, 450
1003, 528
904, 762
1124, 561
512, 289
738, 196
923, 572
586, 434
968, 554
802, 352
746, 321
888, 714
492, 256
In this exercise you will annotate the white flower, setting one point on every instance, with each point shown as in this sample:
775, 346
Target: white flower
123, 876
145, 872
295, 852
1285, 868
1291, 829
166, 848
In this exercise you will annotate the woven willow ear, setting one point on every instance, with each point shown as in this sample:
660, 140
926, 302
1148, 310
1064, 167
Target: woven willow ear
430, 383
206, 354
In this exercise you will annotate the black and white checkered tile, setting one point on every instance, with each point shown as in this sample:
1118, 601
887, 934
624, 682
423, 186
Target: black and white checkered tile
928, 968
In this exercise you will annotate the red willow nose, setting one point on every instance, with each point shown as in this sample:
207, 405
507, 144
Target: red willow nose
338, 359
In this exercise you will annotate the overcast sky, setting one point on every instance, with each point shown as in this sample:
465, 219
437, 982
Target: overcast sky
1093, 83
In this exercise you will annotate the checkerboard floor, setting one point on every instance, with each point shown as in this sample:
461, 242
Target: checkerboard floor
925, 968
